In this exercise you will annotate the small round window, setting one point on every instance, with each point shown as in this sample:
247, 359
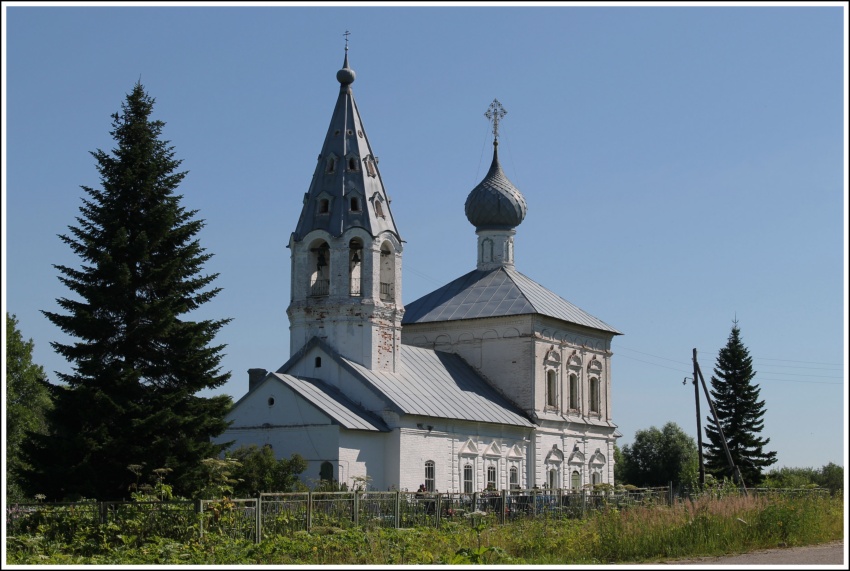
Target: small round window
271, 401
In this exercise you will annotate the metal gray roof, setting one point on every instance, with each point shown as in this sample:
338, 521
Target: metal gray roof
496, 293
332, 402
354, 174
441, 385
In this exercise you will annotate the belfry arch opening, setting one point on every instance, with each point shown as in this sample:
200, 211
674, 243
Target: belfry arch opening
319, 269
355, 266
387, 281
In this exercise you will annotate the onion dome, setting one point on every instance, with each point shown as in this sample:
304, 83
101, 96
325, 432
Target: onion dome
495, 203
346, 75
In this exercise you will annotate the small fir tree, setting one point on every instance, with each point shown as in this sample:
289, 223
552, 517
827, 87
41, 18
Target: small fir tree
138, 362
736, 399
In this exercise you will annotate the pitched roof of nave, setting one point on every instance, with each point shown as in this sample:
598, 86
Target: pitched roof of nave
346, 169
498, 292
332, 402
426, 383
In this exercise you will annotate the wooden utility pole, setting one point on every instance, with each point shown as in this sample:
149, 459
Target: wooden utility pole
736, 473
699, 425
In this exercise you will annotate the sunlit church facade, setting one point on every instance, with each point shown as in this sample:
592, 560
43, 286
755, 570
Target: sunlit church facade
491, 380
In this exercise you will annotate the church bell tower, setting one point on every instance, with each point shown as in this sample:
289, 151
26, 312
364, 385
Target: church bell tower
346, 250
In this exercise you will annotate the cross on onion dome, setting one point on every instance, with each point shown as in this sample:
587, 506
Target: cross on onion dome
494, 114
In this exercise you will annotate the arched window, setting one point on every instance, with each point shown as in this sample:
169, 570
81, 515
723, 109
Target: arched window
331, 165
576, 480
352, 164
355, 204
514, 477
552, 481
326, 472
551, 388
430, 475
467, 478
318, 362
379, 210
594, 395
574, 392
596, 478
491, 477
324, 206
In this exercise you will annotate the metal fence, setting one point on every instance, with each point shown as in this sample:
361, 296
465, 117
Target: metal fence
273, 514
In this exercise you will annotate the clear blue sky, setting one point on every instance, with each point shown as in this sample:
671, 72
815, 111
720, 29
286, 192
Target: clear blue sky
683, 166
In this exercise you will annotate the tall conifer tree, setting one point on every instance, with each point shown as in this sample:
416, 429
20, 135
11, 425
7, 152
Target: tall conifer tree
736, 399
139, 362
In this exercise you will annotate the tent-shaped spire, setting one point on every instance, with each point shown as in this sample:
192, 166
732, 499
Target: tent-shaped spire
346, 191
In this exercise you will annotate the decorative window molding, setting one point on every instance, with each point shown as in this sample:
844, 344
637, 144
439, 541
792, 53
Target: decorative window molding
597, 459
515, 453
577, 457
595, 365
555, 455
469, 449
369, 163
493, 451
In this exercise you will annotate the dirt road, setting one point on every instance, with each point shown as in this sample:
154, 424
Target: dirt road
832, 553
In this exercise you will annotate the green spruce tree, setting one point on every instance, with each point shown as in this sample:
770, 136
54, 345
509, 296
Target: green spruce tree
736, 399
138, 359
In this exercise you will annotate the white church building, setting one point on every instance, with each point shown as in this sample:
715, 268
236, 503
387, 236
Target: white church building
492, 380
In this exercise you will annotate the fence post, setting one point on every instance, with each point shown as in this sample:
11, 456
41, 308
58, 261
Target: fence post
670, 493
309, 509
439, 510
356, 507
397, 509
504, 506
583, 503
259, 518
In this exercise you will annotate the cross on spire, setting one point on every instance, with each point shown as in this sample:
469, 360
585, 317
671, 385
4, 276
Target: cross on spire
346, 34
494, 114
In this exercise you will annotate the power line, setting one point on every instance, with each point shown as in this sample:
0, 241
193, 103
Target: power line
792, 361
651, 355
827, 366
656, 364
757, 378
